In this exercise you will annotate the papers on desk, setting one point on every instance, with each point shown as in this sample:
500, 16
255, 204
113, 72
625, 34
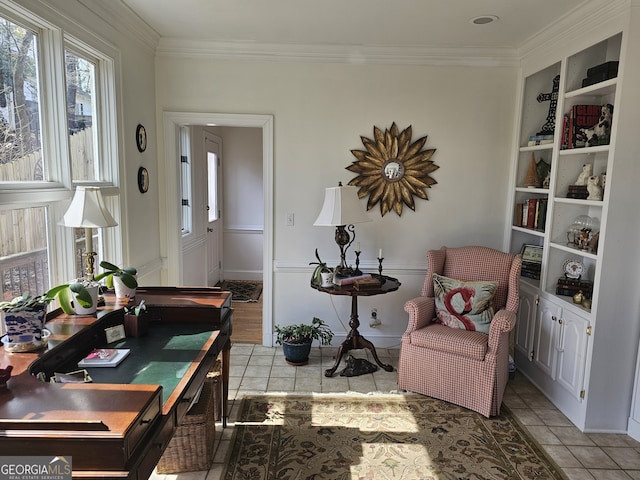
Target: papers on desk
98, 358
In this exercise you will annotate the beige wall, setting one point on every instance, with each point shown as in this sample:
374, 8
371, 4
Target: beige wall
320, 111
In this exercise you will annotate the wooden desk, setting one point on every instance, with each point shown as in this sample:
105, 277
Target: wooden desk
354, 340
118, 426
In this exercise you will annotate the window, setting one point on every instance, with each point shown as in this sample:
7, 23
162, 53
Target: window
212, 186
185, 180
80, 82
40, 159
20, 141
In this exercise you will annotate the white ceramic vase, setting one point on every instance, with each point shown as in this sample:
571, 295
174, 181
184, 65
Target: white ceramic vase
80, 310
121, 290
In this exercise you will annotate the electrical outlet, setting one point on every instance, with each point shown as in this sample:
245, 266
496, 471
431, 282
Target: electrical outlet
375, 321
290, 219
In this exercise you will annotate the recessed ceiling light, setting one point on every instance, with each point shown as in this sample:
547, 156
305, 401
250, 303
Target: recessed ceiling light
484, 19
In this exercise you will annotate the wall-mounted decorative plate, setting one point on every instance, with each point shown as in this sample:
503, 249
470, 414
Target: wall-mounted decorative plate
143, 180
141, 138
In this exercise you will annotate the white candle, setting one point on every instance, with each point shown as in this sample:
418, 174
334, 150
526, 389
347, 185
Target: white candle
358, 249
380, 253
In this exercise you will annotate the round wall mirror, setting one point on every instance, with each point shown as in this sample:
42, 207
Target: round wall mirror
393, 170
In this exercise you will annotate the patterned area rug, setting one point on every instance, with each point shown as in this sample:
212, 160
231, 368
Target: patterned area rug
378, 436
243, 291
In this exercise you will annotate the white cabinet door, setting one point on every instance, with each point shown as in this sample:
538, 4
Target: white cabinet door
572, 352
525, 325
547, 338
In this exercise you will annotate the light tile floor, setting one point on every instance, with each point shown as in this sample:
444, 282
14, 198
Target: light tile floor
581, 456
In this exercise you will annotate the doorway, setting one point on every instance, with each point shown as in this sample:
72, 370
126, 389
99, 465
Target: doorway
173, 121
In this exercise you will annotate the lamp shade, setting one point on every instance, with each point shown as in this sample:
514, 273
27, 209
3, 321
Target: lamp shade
87, 210
341, 207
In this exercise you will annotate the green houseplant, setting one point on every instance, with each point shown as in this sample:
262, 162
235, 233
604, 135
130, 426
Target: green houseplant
121, 279
296, 339
23, 319
81, 293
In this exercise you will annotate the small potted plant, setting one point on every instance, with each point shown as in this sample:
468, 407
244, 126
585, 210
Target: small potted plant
79, 297
322, 274
121, 279
23, 319
296, 340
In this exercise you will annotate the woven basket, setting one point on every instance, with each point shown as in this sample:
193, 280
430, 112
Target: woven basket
191, 448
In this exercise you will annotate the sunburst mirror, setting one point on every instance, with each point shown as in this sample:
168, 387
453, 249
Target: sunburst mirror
392, 170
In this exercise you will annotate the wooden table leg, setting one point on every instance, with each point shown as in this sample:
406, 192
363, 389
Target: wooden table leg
355, 341
226, 358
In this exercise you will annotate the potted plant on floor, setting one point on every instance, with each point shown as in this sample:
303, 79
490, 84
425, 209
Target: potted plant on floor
121, 279
296, 340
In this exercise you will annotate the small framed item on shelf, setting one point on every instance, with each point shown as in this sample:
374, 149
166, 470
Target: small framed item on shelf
531, 261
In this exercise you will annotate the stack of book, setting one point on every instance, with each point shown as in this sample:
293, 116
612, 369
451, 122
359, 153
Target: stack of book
539, 140
531, 213
367, 284
600, 73
340, 280
570, 286
104, 357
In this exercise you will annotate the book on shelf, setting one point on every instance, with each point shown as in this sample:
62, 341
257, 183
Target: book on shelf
340, 280
579, 118
111, 359
539, 140
531, 214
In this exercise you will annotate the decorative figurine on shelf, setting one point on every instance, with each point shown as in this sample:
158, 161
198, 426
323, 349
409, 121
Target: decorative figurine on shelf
587, 171
550, 124
600, 133
532, 180
595, 190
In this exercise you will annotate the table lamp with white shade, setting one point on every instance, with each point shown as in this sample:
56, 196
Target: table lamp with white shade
342, 209
88, 211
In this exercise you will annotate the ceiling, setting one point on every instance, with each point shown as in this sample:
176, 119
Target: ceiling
375, 23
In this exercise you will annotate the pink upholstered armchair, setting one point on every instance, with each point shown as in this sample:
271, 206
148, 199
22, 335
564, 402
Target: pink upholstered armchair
468, 368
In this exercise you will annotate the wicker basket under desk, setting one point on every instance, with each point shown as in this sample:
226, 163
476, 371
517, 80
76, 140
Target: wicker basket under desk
191, 448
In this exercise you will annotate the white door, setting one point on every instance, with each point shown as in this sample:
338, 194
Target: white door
213, 191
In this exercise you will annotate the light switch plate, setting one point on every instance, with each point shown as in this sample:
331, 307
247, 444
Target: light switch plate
114, 333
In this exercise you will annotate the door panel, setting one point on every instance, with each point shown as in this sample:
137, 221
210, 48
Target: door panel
547, 336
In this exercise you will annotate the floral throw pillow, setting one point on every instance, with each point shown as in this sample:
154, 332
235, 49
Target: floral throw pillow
465, 305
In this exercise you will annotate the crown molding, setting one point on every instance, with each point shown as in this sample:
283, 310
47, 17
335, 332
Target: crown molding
586, 18
349, 54
120, 17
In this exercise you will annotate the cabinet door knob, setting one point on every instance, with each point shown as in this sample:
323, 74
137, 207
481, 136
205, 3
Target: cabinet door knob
209, 229
554, 318
560, 321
